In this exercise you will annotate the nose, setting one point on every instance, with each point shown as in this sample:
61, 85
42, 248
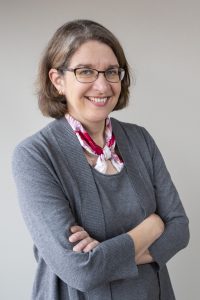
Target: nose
101, 84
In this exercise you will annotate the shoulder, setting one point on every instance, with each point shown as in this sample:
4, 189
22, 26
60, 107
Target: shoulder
36, 145
38, 138
135, 133
130, 127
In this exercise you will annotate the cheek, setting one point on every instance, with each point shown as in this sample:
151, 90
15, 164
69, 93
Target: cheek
80, 90
74, 92
118, 90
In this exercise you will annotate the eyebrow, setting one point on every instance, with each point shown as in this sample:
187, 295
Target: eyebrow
92, 67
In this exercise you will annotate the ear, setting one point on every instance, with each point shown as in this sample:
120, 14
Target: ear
57, 80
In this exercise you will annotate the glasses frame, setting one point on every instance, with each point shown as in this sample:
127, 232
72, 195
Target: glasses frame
121, 77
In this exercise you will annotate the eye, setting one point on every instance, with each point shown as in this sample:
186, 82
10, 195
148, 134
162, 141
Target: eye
84, 72
112, 72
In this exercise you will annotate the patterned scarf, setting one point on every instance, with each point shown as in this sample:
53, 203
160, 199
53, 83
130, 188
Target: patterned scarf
105, 153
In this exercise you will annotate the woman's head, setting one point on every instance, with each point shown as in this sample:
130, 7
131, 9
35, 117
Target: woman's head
58, 55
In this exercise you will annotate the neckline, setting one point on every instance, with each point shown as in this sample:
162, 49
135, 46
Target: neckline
107, 175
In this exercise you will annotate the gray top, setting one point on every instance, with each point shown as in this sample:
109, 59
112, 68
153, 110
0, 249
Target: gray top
120, 202
56, 189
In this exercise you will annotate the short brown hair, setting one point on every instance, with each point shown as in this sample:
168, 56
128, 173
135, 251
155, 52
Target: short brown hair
64, 43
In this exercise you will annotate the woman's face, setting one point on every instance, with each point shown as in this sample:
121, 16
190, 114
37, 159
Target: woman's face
90, 103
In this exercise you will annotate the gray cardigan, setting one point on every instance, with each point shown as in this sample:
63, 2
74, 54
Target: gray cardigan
56, 190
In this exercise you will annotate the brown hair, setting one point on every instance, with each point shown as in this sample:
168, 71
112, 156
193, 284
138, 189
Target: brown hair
64, 43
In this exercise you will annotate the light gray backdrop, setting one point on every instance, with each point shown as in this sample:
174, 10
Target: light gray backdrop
161, 41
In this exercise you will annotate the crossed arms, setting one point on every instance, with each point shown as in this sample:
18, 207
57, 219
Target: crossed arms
143, 236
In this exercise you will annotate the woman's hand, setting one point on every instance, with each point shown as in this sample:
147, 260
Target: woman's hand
146, 233
86, 243
145, 258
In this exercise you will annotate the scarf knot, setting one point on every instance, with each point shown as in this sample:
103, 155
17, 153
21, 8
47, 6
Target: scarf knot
103, 154
107, 152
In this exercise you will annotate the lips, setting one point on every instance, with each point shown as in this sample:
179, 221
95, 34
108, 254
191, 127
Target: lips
99, 100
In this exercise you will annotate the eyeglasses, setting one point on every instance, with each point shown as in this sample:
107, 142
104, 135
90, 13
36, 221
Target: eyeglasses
87, 75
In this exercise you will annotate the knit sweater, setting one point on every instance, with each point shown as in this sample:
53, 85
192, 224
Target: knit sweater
56, 189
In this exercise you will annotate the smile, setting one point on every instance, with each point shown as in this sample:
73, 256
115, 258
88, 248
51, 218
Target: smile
98, 100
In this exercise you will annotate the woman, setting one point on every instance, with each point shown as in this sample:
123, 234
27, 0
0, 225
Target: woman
95, 193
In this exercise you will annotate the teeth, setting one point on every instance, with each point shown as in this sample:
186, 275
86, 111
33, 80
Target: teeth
98, 100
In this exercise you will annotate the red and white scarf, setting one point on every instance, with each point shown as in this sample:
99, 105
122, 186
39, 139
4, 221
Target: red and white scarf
105, 153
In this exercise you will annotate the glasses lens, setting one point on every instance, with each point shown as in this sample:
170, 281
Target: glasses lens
86, 75
121, 73
115, 74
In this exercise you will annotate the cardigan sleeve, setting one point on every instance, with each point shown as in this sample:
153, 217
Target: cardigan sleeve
48, 216
169, 208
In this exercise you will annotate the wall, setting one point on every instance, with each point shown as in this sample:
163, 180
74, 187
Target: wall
161, 40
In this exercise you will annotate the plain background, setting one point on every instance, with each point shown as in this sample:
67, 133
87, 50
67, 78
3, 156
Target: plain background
162, 42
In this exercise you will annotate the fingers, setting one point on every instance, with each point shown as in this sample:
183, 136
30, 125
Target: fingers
86, 243
145, 258
77, 236
76, 228
91, 246
82, 244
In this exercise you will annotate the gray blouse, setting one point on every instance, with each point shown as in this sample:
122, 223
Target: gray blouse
120, 202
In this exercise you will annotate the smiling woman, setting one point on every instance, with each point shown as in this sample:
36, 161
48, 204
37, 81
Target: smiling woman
67, 41
103, 212
90, 102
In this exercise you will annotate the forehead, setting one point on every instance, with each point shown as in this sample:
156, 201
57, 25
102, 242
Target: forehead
94, 53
